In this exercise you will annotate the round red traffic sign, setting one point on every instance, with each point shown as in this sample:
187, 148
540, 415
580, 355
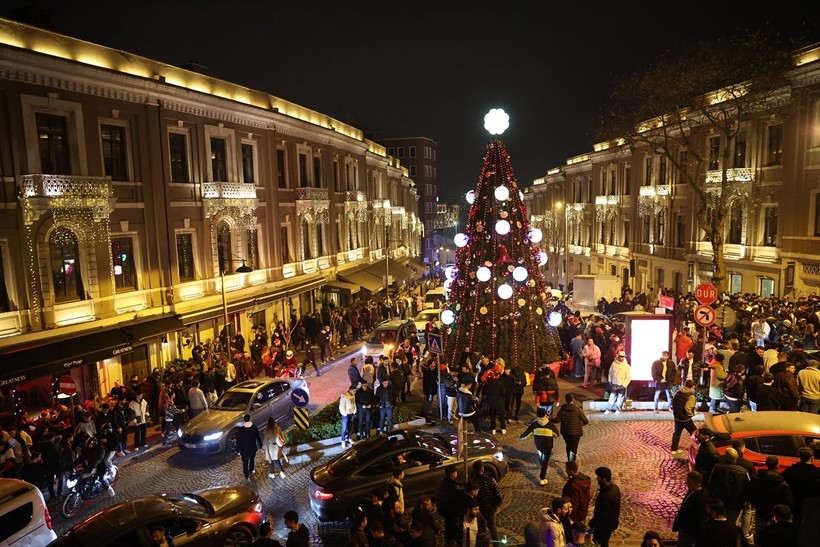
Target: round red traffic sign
68, 385
705, 316
706, 293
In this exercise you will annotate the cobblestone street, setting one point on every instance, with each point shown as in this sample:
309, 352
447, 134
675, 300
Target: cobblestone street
635, 446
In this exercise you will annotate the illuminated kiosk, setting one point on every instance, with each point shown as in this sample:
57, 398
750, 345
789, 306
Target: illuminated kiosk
647, 336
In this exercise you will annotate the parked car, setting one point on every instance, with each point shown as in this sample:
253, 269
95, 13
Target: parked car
24, 517
766, 433
228, 516
347, 480
385, 337
215, 429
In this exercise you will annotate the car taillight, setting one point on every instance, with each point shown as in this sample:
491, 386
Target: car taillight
321, 495
47, 517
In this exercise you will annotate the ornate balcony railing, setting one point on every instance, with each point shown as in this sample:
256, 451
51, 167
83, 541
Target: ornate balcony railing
311, 194
228, 190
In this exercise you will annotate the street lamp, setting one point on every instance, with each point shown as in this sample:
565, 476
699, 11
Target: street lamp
560, 205
241, 269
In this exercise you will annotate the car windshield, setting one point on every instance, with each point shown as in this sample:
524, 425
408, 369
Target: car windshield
190, 504
383, 336
426, 316
233, 400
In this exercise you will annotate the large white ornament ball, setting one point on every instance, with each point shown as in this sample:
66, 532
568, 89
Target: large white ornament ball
461, 240
448, 317
502, 193
505, 291
542, 258
520, 273
554, 319
470, 197
450, 272
536, 235
502, 227
483, 273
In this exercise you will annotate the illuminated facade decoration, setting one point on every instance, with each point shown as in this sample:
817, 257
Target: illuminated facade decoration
143, 187
626, 204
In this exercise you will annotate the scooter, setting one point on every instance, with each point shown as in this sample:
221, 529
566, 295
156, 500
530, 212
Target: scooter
85, 488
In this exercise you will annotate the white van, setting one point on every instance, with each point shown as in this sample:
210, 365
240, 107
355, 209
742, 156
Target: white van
435, 298
24, 517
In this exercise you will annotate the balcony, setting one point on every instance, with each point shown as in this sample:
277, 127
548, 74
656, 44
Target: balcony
313, 204
738, 181
355, 195
66, 193
311, 194
235, 199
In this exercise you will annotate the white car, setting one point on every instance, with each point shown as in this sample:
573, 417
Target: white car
24, 517
423, 317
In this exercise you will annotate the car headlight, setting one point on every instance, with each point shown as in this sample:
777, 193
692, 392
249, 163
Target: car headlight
213, 436
179, 432
498, 456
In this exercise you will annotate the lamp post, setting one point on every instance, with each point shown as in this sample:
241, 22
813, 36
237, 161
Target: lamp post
241, 269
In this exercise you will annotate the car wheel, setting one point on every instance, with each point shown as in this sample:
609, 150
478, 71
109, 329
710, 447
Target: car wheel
231, 442
239, 536
72, 504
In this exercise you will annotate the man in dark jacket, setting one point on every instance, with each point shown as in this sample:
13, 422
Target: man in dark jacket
781, 531
683, 409
691, 517
467, 404
495, 397
803, 478
607, 511
664, 375
730, 482
572, 420
448, 493
768, 398
386, 396
577, 489
429, 384
707, 453
248, 441
472, 524
353, 373
786, 384
544, 432
719, 530
489, 496
768, 490
365, 401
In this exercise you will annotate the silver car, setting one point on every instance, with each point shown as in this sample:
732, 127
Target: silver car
215, 429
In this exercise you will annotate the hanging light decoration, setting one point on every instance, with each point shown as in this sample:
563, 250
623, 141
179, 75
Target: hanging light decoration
554, 319
502, 193
448, 317
470, 196
450, 272
461, 240
502, 227
542, 258
505, 291
536, 235
448, 283
483, 273
520, 273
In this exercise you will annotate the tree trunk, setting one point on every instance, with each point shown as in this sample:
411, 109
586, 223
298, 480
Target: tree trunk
719, 263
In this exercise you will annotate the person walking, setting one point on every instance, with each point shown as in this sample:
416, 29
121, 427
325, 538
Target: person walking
248, 441
607, 512
707, 454
729, 482
620, 375
578, 490
717, 377
365, 401
683, 410
273, 443
494, 396
429, 385
572, 420
386, 396
691, 516
489, 496
138, 411
543, 432
347, 408
664, 374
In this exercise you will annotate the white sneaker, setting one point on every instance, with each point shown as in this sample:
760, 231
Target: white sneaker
542, 482
271, 475
111, 492
607, 412
503, 431
282, 474
617, 412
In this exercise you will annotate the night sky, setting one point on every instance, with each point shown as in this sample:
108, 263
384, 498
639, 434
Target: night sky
433, 68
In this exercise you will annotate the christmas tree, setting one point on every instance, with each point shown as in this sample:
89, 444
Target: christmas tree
498, 302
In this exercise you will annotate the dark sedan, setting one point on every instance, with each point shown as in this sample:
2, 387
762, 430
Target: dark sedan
224, 517
347, 479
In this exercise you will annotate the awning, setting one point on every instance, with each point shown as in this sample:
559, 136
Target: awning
399, 272
363, 279
342, 286
417, 265
53, 356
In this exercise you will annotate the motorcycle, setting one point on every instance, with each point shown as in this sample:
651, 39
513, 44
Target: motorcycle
85, 488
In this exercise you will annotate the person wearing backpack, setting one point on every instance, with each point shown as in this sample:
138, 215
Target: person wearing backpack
733, 388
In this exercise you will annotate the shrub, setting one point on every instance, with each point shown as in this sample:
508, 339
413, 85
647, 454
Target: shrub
326, 423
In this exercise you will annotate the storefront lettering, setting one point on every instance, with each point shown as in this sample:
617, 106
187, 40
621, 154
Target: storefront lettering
14, 380
126, 349
73, 363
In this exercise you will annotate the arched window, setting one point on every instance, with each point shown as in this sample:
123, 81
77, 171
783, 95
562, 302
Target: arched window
661, 239
223, 246
65, 266
735, 223
306, 254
